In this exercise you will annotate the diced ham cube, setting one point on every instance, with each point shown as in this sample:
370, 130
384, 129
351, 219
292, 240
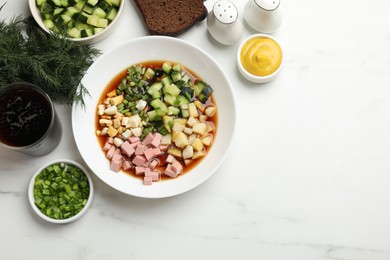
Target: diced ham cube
170, 172
148, 139
157, 151
155, 176
147, 172
177, 167
127, 149
117, 156
149, 153
139, 160
148, 180
170, 159
135, 145
107, 146
140, 149
127, 165
139, 170
111, 152
153, 164
115, 166
164, 147
110, 140
156, 140
134, 139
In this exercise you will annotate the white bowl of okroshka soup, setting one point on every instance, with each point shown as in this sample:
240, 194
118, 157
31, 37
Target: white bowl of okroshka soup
160, 118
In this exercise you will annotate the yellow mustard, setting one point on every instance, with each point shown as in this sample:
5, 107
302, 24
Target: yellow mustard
261, 56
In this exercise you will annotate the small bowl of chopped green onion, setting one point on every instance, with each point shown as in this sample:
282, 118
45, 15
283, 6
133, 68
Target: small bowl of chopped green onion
82, 21
61, 191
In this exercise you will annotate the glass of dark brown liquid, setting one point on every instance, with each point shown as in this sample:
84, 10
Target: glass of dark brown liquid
28, 121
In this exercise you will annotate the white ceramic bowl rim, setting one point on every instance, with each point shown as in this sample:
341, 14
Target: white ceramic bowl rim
251, 76
38, 18
60, 221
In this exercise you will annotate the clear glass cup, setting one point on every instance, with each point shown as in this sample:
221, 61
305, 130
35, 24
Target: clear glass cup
28, 121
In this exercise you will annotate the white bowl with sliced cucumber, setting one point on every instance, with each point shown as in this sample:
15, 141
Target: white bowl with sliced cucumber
83, 21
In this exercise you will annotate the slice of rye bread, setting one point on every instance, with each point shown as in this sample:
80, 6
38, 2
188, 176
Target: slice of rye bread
171, 17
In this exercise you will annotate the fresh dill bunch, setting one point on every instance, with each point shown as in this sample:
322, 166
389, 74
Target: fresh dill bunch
57, 65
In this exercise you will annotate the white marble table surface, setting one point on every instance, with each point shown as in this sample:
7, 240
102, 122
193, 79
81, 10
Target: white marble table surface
308, 176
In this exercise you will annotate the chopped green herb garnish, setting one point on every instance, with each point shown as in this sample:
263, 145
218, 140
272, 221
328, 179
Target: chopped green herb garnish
61, 190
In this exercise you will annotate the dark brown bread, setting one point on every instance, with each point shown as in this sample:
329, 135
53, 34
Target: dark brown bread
171, 17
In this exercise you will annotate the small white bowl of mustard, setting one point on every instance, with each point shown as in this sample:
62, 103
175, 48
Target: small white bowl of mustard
260, 58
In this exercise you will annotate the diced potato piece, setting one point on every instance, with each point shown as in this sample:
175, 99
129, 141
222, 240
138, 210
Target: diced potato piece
125, 120
104, 121
112, 110
187, 162
117, 123
104, 131
207, 140
193, 110
210, 111
112, 131
111, 93
197, 144
210, 127
177, 127
98, 132
175, 152
199, 105
198, 155
174, 135
120, 130
141, 104
116, 100
100, 109
199, 128
134, 121
126, 134
118, 142
191, 121
166, 139
181, 140
188, 152
203, 118
137, 131
181, 121
192, 138
187, 131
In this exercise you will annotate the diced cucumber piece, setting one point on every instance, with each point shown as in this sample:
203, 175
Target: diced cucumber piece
57, 11
106, 7
205, 94
72, 2
176, 76
166, 67
152, 115
171, 89
71, 11
64, 3
71, 24
74, 33
79, 25
49, 24
177, 67
86, 32
93, 20
80, 5
187, 92
46, 8
149, 73
185, 113
166, 81
99, 12
55, 2
173, 110
47, 16
92, 2
108, 2
102, 23
160, 106
116, 2
40, 2
155, 90
112, 14
180, 100
83, 17
88, 9
97, 30
169, 99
